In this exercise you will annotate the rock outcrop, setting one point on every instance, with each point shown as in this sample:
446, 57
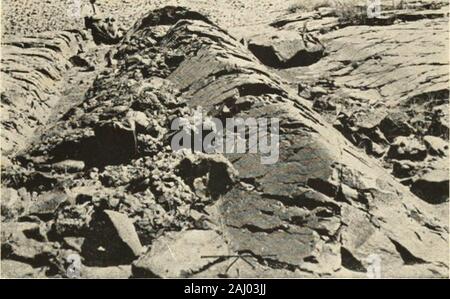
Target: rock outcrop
325, 208
377, 83
32, 69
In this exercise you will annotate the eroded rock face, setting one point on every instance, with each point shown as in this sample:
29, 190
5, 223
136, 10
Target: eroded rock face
32, 68
325, 208
375, 69
322, 193
181, 254
371, 67
378, 84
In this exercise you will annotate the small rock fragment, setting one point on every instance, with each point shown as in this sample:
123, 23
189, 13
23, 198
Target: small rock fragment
69, 166
407, 148
46, 205
435, 145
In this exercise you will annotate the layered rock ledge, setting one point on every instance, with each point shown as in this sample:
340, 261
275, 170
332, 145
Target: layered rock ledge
326, 208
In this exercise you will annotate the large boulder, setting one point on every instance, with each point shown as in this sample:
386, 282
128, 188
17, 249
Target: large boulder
284, 49
46, 204
433, 186
112, 240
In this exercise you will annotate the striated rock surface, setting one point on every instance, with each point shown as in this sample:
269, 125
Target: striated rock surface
320, 192
32, 69
325, 208
181, 254
379, 85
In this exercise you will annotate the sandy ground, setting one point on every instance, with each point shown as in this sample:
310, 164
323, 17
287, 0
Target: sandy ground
31, 16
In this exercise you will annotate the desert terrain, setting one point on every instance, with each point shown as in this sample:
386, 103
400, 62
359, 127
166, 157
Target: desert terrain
91, 185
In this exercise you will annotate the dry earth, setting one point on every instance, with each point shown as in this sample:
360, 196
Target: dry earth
32, 16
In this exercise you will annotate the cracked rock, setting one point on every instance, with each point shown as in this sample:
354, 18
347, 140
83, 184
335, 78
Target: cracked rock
324, 208
181, 254
285, 49
111, 240
433, 186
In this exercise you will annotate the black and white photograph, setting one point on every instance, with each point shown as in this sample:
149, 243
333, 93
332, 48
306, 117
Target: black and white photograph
227, 139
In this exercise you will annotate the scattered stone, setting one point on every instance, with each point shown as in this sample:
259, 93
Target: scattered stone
72, 221
404, 169
40, 232
74, 243
139, 118
323, 104
407, 148
12, 204
104, 30
393, 127
440, 121
317, 91
212, 175
324, 207
47, 203
20, 248
10, 229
